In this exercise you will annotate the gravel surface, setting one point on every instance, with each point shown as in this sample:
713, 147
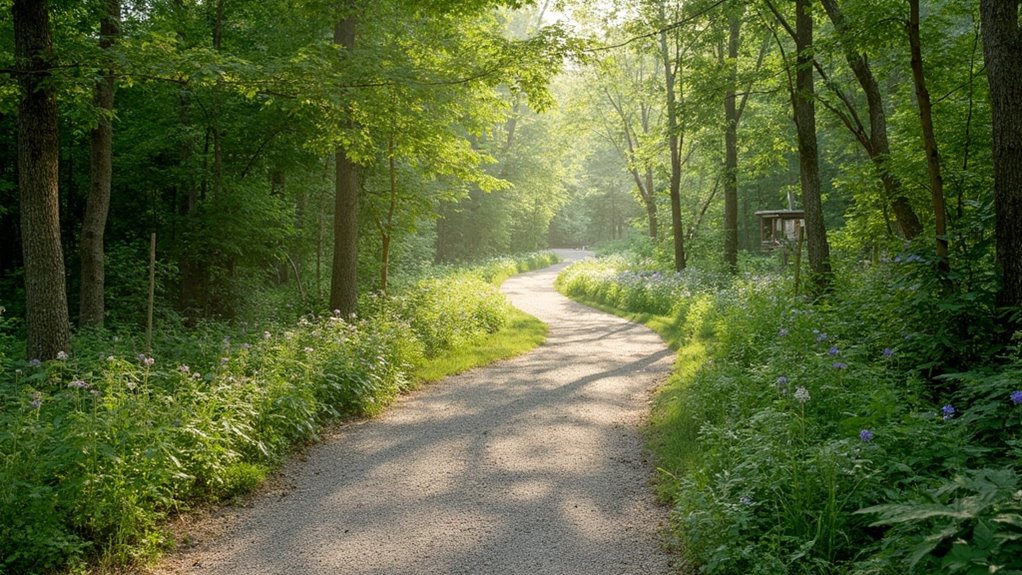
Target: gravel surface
530, 466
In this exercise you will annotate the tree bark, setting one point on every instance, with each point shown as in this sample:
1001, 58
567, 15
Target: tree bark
46, 316
731, 147
929, 137
1002, 48
803, 102
344, 281
91, 307
879, 147
674, 143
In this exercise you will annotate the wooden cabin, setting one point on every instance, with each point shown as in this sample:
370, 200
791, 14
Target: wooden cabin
779, 227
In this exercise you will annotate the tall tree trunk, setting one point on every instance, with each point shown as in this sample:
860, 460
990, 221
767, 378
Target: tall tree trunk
731, 146
387, 224
91, 307
879, 147
344, 282
929, 137
674, 143
803, 102
1002, 48
46, 316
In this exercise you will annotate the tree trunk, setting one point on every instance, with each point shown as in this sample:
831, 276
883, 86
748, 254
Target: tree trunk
674, 143
879, 148
91, 307
731, 147
344, 282
46, 316
929, 137
1002, 48
387, 225
803, 101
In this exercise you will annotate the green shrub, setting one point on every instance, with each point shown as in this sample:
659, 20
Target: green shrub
819, 437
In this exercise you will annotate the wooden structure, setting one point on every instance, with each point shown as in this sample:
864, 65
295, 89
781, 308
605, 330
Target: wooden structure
779, 227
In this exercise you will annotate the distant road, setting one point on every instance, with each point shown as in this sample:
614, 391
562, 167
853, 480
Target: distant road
531, 466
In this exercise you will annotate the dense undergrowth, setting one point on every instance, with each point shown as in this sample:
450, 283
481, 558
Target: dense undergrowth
876, 431
98, 447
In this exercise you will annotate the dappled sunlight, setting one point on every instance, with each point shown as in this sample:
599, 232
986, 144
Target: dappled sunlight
530, 465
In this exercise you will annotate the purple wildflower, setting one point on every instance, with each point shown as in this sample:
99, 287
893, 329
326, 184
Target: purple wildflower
888, 352
782, 384
35, 363
834, 350
783, 332
840, 365
745, 500
948, 411
79, 384
1016, 397
37, 400
866, 435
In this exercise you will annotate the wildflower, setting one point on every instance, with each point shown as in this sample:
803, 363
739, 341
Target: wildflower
62, 355
839, 365
782, 384
35, 363
308, 350
821, 337
146, 360
79, 384
224, 360
111, 358
184, 368
888, 352
337, 313
266, 335
37, 400
140, 357
783, 332
1016, 397
834, 350
196, 375
866, 435
948, 411
802, 394
745, 500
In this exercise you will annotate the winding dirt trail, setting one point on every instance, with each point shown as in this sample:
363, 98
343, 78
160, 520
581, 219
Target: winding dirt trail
531, 466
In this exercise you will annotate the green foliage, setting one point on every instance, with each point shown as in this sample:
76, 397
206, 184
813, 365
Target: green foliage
799, 437
99, 447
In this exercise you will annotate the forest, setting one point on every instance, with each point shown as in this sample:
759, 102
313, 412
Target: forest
225, 224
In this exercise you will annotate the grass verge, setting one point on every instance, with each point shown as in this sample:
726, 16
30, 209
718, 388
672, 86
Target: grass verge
521, 334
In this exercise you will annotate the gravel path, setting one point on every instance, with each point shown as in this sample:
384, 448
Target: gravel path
530, 466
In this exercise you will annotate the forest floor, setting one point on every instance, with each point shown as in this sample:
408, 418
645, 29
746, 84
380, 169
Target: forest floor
534, 465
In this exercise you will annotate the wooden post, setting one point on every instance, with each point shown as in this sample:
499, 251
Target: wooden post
152, 294
798, 257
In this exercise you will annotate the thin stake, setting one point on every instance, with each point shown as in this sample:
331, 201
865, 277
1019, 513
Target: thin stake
798, 258
152, 293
